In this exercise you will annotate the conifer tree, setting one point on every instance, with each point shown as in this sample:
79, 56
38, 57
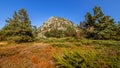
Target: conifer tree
19, 27
98, 25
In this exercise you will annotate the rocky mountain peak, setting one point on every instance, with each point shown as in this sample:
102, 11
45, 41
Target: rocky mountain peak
56, 23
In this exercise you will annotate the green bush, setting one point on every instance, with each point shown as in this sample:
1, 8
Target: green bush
59, 44
87, 59
19, 39
2, 37
78, 43
70, 60
55, 33
106, 42
69, 32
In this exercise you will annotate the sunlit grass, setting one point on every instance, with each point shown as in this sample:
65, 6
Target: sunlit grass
96, 53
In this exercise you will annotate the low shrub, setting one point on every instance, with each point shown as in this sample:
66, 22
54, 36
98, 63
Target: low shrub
106, 42
70, 60
78, 43
60, 44
19, 39
69, 39
87, 59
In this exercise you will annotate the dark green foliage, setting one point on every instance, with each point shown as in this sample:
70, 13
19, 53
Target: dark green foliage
95, 57
54, 33
2, 37
58, 44
69, 32
34, 32
99, 26
70, 60
18, 28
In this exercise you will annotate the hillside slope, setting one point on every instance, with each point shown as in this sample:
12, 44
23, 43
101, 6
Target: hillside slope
56, 23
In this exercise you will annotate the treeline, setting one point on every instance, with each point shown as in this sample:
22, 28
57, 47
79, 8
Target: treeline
97, 25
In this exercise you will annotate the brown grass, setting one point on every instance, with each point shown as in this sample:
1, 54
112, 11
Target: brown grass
37, 55
40, 55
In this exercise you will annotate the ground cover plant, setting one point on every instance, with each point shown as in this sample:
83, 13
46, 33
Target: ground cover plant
73, 53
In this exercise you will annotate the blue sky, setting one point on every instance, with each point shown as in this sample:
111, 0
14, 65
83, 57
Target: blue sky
40, 10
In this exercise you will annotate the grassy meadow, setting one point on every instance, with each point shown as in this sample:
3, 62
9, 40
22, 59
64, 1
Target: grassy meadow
61, 53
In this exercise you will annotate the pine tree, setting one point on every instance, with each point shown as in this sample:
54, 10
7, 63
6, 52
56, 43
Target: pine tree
98, 26
19, 27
